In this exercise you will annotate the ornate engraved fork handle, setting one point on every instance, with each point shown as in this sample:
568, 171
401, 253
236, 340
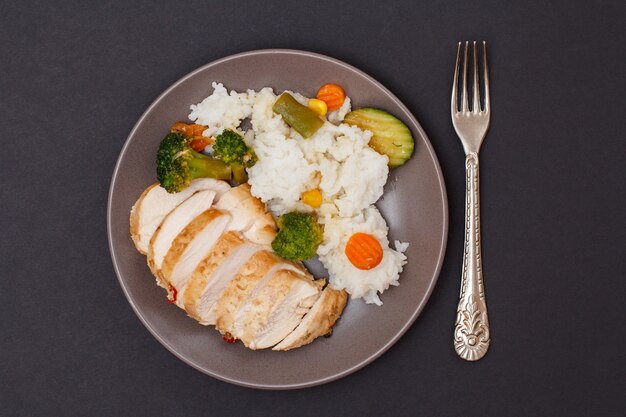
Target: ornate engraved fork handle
471, 333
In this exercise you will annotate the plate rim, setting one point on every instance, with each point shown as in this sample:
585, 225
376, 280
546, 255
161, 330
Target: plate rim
386, 346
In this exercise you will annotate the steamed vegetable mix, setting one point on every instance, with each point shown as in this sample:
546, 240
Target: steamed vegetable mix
199, 143
239, 173
391, 137
299, 235
194, 132
191, 130
232, 149
304, 120
312, 198
178, 164
318, 106
333, 95
364, 251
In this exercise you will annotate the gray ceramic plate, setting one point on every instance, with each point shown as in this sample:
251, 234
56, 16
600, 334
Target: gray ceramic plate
414, 205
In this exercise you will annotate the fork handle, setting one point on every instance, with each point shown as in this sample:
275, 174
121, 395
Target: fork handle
471, 333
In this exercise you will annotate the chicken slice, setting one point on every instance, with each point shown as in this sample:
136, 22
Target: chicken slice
226, 245
276, 309
173, 224
155, 203
192, 245
250, 215
234, 196
254, 273
214, 273
262, 229
318, 321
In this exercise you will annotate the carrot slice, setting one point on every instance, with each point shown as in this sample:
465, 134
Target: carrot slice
333, 95
364, 251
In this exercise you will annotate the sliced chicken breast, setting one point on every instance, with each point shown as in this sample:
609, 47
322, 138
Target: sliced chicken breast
249, 215
226, 245
233, 197
277, 309
214, 273
173, 224
155, 203
230, 203
255, 272
262, 229
192, 245
318, 321
211, 243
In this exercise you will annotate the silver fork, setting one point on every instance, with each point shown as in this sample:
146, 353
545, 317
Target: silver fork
471, 332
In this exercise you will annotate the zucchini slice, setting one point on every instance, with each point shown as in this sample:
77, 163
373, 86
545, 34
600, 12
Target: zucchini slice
391, 137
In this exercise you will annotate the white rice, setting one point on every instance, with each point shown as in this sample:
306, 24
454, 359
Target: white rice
359, 283
401, 246
221, 110
337, 116
336, 159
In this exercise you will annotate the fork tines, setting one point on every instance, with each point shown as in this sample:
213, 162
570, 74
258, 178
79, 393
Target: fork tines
476, 86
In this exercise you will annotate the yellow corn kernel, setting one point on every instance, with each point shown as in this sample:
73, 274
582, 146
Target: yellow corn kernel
312, 198
318, 106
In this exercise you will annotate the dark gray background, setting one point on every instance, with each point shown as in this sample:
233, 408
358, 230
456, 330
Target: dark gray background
75, 77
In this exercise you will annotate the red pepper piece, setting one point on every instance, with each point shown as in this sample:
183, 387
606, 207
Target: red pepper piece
199, 143
173, 293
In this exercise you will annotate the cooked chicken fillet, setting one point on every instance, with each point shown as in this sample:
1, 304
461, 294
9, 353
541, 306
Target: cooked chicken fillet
192, 245
249, 215
277, 309
155, 203
234, 196
242, 218
212, 276
211, 243
174, 223
225, 246
231, 200
253, 274
263, 228
263, 235
318, 321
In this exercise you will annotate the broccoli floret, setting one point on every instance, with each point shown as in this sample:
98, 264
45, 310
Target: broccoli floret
298, 236
178, 164
231, 148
